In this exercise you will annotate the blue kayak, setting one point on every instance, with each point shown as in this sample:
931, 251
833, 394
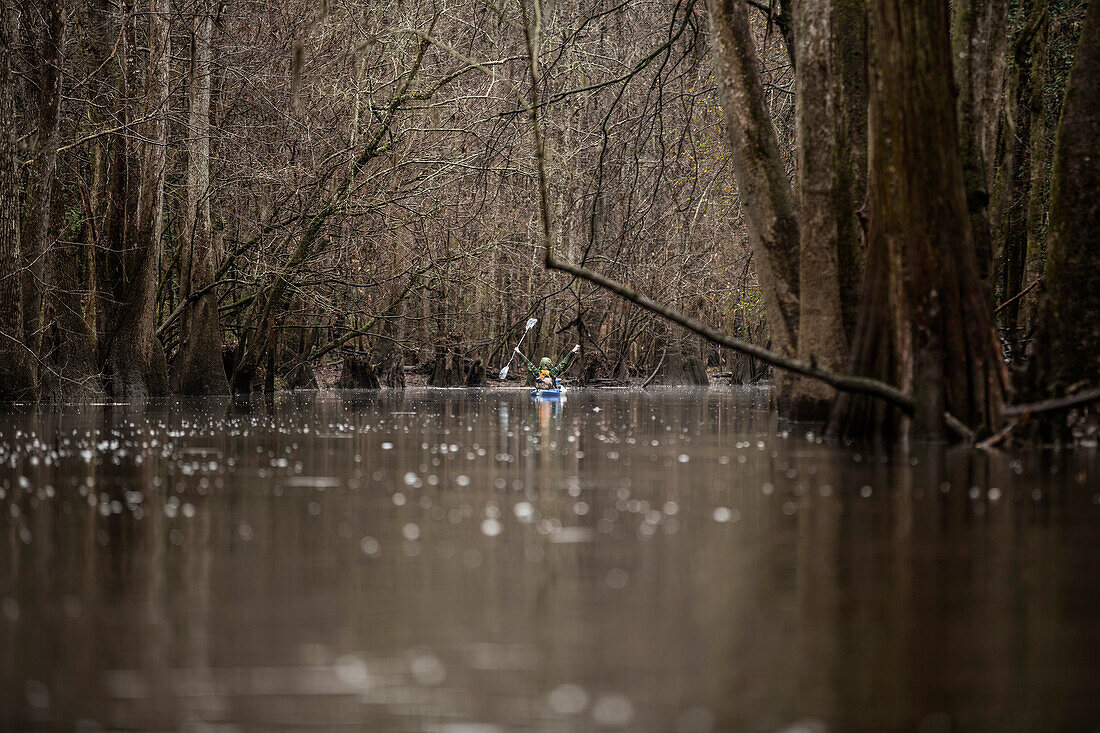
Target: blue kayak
546, 394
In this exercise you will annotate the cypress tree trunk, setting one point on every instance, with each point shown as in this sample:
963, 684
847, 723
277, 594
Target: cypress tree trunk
761, 180
1069, 330
924, 324
822, 205
16, 376
136, 368
198, 369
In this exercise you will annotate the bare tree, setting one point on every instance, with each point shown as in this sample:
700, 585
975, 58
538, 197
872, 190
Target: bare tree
16, 377
198, 368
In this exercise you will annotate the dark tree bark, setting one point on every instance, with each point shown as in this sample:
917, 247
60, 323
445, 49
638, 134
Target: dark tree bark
135, 364
1013, 184
197, 368
978, 44
850, 60
16, 375
448, 366
924, 324
391, 370
1069, 330
761, 180
72, 374
43, 171
358, 373
681, 365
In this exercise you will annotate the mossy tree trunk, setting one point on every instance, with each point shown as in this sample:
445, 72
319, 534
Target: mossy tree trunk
1069, 329
1011, 192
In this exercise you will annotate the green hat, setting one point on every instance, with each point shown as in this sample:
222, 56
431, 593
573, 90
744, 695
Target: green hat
546, 363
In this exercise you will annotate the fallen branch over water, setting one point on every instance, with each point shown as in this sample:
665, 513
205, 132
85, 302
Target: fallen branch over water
844, 383
1053, 405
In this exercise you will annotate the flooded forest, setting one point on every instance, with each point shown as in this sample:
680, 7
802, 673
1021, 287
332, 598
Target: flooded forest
476, 366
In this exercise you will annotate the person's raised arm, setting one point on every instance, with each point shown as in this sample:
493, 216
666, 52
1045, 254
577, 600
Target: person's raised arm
527, 362
566, 361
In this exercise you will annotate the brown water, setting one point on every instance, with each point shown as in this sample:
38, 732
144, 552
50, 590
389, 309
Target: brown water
473, 562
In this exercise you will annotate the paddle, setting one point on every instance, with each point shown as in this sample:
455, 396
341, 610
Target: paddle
530, 324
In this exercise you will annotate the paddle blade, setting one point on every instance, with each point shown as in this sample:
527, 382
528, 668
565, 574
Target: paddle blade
504, 372
531, 323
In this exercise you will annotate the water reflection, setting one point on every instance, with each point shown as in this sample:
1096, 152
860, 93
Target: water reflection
462, 561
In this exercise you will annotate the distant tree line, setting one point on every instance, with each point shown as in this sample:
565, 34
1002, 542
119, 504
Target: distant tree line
201, 197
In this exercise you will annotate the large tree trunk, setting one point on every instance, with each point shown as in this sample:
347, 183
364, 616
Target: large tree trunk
924, 324
762, 182
136, 369
1069, 330
16, 375
36, 212
197, 369
978, 43
822, 205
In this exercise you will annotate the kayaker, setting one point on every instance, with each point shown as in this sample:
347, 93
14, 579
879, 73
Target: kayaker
545, 375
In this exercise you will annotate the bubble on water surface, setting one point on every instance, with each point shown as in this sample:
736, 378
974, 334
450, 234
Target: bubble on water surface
524, 511
724, 514
352, 671
399, 499
491, 527
411, 531
10, 606
567, 699
426, 668
613, 711
370, 547
617, 578
462, 480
